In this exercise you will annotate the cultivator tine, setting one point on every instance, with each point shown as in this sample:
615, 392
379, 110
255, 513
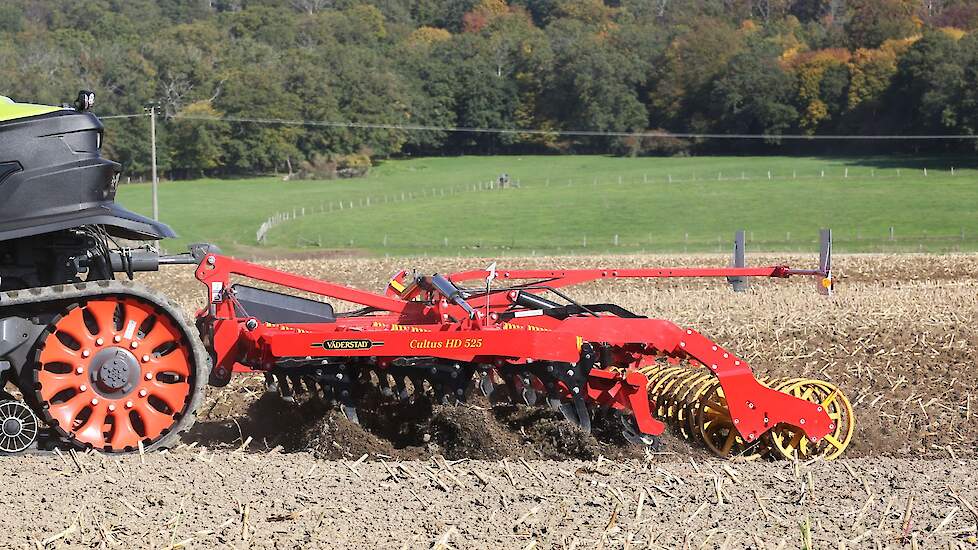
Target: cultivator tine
417, 388
528, 394
384, 383
271, 385
327, 390
576, 411
285, 390
631, 433
486, 385
312, 387
298, 388
400, 383
513, 391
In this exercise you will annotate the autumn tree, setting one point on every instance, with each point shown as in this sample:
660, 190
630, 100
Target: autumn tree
871, 22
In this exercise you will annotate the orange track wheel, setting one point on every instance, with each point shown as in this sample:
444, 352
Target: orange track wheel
114, 372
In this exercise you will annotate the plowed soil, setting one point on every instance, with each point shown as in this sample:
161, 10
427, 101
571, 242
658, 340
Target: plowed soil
898, 337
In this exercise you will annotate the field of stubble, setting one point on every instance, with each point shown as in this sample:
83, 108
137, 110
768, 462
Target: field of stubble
898, 337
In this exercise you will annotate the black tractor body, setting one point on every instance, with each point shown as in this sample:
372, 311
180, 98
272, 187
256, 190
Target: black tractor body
57, 198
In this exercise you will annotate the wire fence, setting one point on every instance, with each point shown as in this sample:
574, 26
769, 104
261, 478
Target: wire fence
286, 216
857, 241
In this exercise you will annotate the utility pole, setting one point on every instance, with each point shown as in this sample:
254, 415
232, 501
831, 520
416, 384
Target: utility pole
156, 180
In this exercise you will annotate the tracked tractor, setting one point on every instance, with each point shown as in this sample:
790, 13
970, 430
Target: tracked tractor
89, 361
87, 354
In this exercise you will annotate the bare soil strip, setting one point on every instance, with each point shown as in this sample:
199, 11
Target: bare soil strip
197, 498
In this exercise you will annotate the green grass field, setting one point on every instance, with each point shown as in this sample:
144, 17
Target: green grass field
586, 204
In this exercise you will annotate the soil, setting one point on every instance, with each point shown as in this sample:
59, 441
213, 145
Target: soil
192, 497
411, 430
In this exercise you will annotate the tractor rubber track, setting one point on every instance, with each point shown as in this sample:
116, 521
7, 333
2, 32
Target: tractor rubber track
59, 297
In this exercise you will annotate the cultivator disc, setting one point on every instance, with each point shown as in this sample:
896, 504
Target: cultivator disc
692, 400
113, 373
344, 386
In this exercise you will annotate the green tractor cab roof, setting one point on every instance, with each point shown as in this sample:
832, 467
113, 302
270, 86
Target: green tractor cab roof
10, 110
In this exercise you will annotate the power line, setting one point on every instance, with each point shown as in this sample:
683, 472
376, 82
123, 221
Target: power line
565, 133
122, 116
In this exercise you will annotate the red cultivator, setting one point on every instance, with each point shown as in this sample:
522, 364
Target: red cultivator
518, 334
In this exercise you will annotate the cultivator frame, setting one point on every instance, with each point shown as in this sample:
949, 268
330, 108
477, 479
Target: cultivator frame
432, 334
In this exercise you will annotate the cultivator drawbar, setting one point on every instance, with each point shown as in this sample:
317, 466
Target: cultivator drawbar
515, 335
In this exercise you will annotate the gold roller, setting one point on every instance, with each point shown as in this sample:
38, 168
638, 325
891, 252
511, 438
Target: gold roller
790, 442
716, 428
689, 397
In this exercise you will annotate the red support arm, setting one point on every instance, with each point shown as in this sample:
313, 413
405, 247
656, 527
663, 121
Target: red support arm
560, 278
216, 268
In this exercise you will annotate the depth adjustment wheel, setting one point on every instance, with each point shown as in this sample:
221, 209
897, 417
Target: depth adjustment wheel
114, 372
18, 427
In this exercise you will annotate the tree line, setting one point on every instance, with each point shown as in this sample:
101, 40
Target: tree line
692, 66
